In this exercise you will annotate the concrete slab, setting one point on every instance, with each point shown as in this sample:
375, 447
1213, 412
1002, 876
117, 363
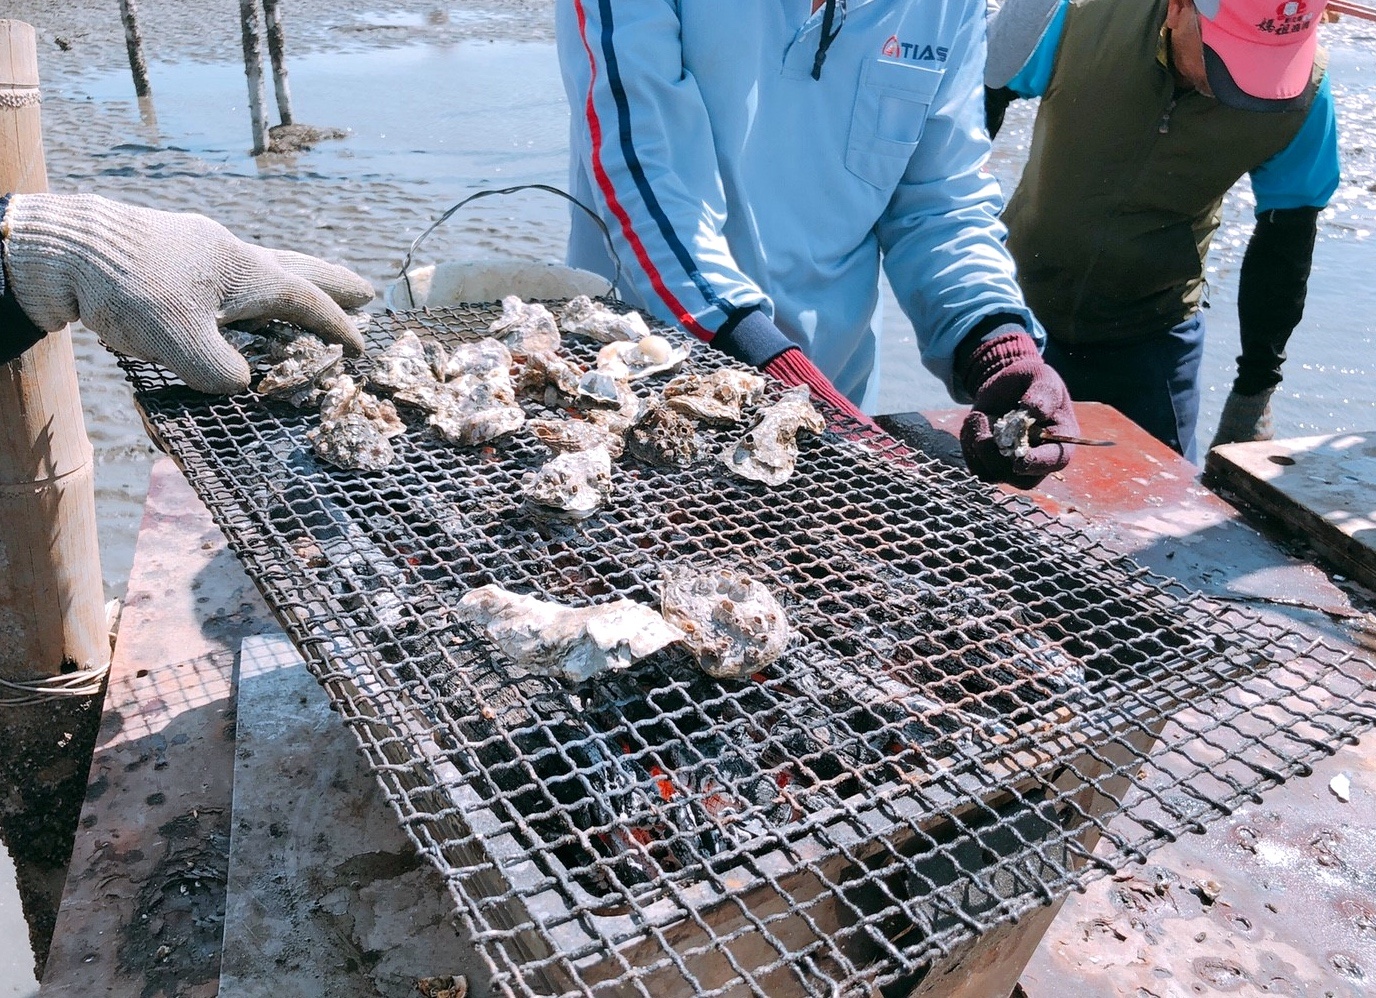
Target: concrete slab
1323, 487
327, 896
143, 907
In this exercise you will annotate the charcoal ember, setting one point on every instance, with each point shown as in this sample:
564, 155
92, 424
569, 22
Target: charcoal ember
732, 624
666, 438
525, 327
768, 452
582, 316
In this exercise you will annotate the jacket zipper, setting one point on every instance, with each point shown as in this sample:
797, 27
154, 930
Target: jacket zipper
1164, 125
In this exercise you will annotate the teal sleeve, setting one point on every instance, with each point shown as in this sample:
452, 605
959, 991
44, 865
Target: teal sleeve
1035, 75
1305, 173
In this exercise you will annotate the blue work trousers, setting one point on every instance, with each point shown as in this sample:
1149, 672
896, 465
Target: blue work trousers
1154, 382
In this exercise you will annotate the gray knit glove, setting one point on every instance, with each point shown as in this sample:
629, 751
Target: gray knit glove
158, 285
1245, 417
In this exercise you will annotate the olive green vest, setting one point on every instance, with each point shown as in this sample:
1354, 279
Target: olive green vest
1124, 184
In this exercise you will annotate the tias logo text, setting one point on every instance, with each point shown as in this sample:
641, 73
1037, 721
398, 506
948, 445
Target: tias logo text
894, 49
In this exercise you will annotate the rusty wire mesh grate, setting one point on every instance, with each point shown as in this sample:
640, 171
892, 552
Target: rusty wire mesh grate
973, 692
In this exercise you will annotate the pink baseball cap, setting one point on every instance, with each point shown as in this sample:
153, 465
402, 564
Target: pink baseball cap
1259, 54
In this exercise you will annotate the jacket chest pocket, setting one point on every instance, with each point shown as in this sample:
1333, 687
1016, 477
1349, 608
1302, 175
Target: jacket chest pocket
891, 106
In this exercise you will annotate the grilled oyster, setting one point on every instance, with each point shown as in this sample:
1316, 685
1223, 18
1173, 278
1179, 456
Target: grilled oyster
549, 375
584, 317
485, 358
408, 362
476, 410
1012, 433
769, 450
564, 436
665, 437
558, 640
650, 355
525, 327
570, 486
718, 398
354, 428
731, 623
301, 365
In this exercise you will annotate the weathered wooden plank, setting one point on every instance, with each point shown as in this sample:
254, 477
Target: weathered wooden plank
1323, 488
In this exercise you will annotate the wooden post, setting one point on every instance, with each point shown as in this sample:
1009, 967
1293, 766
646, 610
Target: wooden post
277, 53
52, 607
133, 41
253, 69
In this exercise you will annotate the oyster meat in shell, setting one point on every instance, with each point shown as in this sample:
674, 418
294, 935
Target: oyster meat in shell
582, 316
665, 437
525, 327
557, 640
632, 360
1013, 433
718, 398
355, 428
769, 450
570, 486
731, 623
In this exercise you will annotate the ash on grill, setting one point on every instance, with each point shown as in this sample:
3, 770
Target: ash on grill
970, 691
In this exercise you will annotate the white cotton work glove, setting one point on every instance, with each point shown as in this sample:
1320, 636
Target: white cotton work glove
1244, 418
158, 285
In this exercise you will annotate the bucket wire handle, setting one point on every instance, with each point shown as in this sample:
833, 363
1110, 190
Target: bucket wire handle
606, 234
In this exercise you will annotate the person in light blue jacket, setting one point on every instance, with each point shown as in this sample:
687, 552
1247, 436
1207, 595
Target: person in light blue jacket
758, 163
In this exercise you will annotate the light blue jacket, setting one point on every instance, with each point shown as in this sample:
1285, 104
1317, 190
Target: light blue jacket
731, 178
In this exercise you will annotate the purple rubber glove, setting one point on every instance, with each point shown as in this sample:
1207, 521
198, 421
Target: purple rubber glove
1004, 374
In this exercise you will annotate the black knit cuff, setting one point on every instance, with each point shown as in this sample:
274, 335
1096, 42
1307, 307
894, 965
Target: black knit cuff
751, 337
17, 331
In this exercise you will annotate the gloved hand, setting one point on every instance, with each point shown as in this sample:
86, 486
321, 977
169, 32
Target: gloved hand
1245, 417
157, 285
1004, 374
792, 368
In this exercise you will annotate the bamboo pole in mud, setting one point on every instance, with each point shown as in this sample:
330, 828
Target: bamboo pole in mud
52, 606
52, 614
277, 54
133, 41
253, 69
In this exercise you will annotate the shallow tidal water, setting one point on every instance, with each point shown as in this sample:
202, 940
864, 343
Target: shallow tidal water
434, 116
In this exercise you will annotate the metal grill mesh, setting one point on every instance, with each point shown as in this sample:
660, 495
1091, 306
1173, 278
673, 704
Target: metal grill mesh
973, 692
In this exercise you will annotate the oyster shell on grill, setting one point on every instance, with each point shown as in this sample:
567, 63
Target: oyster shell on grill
617, 421
732, 624
718, 398
355, 428
567, 435
633, 360
570, 486
551, 376
582, 316
408, 362
769, 450
525, 327
485, 358
476, 410
301, 365
558, 640
665, 437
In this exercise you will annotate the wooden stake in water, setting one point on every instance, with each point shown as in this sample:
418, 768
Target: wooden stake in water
52, 600
133, 41
253, 69
277, 53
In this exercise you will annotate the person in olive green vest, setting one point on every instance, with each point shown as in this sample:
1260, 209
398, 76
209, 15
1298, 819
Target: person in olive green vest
1151, 111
